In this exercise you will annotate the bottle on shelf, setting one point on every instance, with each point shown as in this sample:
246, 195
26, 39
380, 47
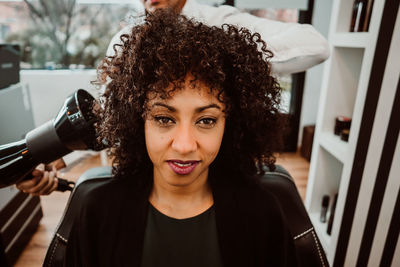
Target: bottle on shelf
358, 15
324, 208
332, 215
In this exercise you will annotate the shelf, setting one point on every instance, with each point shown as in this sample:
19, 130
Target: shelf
329, 172
342, 88
320, 229
343, 15
351, 39
334, 145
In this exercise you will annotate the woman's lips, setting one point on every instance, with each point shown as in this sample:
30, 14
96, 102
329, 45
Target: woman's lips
183, 167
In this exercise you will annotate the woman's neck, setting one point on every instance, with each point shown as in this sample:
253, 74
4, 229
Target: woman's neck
181, 201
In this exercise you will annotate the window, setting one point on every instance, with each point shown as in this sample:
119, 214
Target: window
63, 34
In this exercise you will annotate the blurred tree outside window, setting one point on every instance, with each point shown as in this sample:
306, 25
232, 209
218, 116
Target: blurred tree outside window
61, 34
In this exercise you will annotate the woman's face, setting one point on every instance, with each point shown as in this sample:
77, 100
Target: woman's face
183, 134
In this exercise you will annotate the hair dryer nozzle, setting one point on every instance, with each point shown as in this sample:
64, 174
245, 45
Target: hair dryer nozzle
74, 123
72, 129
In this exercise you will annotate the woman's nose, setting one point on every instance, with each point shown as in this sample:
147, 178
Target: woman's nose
184, 140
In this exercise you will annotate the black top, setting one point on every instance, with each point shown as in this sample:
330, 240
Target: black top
181, 242
110, 230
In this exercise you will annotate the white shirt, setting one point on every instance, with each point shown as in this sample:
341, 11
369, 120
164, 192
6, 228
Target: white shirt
296, 47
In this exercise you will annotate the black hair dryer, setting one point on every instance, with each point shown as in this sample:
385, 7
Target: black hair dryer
72, 129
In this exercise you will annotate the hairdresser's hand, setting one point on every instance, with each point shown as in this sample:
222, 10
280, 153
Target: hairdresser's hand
44, 179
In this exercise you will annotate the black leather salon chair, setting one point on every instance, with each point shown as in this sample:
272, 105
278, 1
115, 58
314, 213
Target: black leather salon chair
308, 247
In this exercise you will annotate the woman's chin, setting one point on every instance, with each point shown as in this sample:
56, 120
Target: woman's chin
180, 180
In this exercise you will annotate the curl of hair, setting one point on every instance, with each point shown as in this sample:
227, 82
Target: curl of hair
231, 61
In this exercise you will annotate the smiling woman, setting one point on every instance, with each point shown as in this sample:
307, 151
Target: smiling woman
191, 113
183, 136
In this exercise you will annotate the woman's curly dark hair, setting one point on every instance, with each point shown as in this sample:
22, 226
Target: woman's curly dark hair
231, 61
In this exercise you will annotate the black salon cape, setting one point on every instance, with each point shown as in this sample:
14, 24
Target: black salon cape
110, 230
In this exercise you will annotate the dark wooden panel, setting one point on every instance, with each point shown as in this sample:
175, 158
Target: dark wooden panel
18, 221
11, 207
15, 250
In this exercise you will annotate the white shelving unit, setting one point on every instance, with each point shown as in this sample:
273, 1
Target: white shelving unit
334, 145
344, 86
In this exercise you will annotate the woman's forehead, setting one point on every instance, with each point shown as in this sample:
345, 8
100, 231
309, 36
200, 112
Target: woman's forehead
189, 88
197, 96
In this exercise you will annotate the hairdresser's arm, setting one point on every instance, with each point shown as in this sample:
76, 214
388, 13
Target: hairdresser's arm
296, 47
44, 179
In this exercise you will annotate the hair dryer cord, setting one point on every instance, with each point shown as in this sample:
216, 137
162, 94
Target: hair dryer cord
65, 185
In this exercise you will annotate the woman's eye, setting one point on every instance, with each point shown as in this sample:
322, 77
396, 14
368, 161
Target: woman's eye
164, 121
207, 122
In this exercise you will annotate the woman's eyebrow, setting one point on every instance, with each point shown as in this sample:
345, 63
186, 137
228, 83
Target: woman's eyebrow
200, 109
172, 109
197, 110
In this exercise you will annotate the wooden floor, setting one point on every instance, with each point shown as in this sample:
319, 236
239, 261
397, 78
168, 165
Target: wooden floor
53, 205
298, 168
